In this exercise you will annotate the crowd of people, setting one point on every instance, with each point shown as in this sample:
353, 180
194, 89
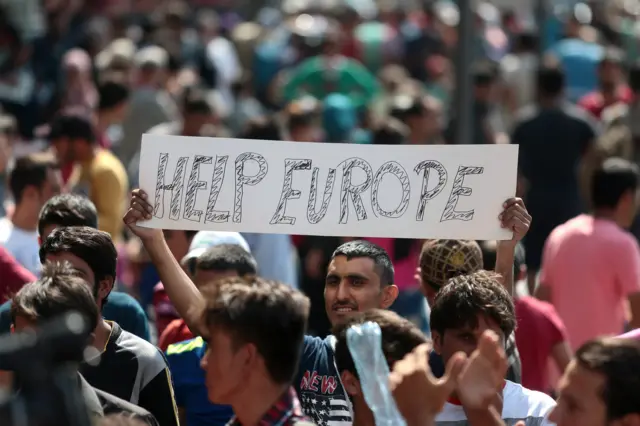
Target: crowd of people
226, 328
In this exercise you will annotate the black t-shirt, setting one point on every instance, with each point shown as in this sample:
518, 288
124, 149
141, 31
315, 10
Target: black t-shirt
134, 370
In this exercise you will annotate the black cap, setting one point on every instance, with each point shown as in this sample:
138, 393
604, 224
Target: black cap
73, 127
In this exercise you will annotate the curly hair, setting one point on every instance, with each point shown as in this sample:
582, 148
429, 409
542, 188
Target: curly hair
466, 297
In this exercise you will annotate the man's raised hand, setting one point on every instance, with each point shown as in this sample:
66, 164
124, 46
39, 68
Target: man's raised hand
140, 210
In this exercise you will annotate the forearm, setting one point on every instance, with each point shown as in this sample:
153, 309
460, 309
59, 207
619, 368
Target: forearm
184, 295
504, 263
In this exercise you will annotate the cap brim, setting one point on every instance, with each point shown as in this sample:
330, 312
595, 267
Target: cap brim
193, 254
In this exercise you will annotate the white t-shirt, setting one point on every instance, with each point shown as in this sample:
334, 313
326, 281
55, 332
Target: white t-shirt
23, 245
519, 404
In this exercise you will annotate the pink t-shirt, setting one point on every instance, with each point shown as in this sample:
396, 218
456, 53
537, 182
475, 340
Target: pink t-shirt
405, 269
591, 266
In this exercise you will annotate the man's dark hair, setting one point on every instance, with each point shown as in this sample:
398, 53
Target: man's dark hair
399, 337
228, 257
92, 246
68, 210
195, 101
550, 79
30, 170
362, 248
112, 93
484, 73
58, 291
618, 360
614, 178
270, 315
634, 76
459, 303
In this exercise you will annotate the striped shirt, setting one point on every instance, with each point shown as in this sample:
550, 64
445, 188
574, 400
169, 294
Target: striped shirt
520, 404
285, 412
134, 370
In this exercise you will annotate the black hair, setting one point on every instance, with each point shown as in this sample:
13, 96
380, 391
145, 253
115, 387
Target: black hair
58, 291
614, 178
30, 170
92, 246
550, 80
618, 360
112, 94
267, 314
634, 76
195, 101
391, 132
399, 336
459, 303
484, 73
262, 128
362, 248
68, 210
227, 257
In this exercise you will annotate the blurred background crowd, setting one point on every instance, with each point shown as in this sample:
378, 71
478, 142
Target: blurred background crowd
81, 81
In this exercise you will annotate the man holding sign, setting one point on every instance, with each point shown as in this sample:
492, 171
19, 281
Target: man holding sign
360, 277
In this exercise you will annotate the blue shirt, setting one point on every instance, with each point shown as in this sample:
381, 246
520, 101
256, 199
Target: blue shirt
120, 308
580, 61
190, 387
318, 384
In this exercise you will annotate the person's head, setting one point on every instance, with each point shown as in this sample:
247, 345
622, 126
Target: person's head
359, 277
302, 119
66, 210
152, 66
197, 111
202, 241
601, 385
441, 260
422, 114
399, 336
224, 261
610, 69
33, 180
112, 105
90, 251
484, 79
614, 188
256, 329
262, 128
72, 136
550, 81
59, 290
179, 242
465, 308
390, 131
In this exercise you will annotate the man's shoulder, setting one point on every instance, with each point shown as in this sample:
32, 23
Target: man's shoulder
520, 402
113, 405
120, 300
148, 356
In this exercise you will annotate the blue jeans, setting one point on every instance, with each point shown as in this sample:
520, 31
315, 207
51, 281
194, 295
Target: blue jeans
412, 305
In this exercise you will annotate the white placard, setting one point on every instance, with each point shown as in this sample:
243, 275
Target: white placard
408, 191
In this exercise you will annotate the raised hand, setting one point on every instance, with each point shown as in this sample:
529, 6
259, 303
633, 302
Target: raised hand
140, 209
516, 218
482, 378
418, 394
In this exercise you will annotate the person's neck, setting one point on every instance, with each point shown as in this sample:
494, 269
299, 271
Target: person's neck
102, 334
362, 414
549, 101
88, 155
103, 123
25, 218
606, 214
256, 400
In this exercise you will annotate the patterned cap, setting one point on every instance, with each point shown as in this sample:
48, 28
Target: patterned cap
442, 260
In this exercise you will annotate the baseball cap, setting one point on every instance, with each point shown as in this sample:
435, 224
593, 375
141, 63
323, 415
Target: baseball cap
204, 240
441, 260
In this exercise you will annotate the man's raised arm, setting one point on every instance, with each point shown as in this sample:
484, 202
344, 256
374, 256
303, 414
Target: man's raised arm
183, 293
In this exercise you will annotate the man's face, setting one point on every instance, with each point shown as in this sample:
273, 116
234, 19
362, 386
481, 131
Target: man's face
225, 367
609, 74
63, 149
579, 398
354, 286
52, 185
100, 290
203, 277
464, 339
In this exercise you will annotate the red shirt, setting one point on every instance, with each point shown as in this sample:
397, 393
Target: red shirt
12, 275
595, 104
177, 331
165, 312
539, 330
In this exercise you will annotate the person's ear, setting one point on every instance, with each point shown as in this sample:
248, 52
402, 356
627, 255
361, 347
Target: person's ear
389, 295
351, 383
437, 341
105, 287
